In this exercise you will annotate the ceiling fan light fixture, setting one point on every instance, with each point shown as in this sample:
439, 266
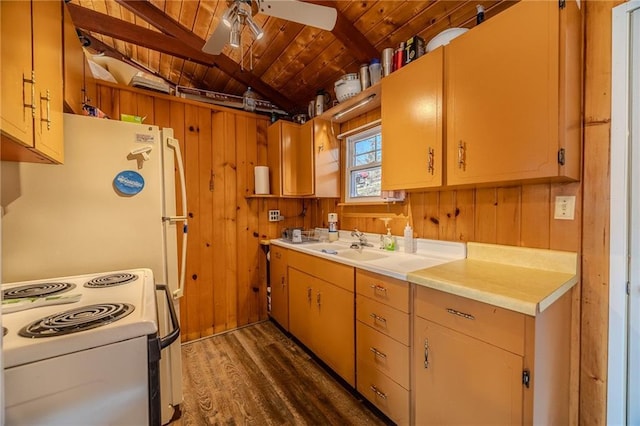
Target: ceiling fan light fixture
255, 29
234, 35
230, 16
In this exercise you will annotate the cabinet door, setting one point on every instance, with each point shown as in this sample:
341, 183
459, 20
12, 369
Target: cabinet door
279, 286
16, 119
334, 335
326, 150
502, 97
73, 65
412, 106
47, 63
300, 305
461, 380
297, 161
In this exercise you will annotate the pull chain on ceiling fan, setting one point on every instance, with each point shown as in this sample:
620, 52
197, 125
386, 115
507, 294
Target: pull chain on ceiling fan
241, 12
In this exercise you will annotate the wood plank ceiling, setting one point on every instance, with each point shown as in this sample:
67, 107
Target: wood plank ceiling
288, 65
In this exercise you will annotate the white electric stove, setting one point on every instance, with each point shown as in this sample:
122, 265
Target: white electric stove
93, 360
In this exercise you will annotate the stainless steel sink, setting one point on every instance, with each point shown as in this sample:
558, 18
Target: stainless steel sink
361, 255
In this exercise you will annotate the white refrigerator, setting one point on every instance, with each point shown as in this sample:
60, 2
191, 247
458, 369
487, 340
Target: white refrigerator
110, 206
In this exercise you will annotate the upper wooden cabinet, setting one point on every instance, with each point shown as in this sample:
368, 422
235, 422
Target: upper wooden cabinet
513, 96
326, 156
31, 99
290, 159
412, 112
73, 65
304, 159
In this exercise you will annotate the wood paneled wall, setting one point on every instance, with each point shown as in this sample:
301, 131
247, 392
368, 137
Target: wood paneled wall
226, 267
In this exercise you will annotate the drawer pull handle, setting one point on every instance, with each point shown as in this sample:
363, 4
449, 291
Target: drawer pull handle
31, 81
378, 318
378, 288
48, 99
426, 353
460, 314
378, 353
378, 393
462, 156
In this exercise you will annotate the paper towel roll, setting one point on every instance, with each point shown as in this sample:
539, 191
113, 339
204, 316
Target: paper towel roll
261, 179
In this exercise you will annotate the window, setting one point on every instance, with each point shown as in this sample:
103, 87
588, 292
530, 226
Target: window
363, 167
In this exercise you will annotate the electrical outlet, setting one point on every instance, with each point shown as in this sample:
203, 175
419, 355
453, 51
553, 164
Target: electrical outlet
565, 207
274, 215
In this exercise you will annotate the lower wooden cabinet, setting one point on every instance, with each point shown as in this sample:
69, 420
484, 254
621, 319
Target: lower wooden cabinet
462, 380
321, 312
475, 363
279, 286
383, 343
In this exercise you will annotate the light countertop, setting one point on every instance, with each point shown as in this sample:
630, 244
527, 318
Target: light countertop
521, 279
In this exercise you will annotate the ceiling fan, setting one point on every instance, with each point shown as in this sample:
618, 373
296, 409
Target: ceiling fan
241, 12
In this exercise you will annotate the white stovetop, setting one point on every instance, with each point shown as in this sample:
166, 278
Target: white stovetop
140, 293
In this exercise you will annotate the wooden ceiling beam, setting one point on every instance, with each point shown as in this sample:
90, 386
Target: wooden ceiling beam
357, 44
104, 24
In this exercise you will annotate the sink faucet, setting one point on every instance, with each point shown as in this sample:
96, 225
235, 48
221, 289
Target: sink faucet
362, 240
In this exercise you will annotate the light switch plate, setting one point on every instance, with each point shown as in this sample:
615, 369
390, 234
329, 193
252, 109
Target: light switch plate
565, 207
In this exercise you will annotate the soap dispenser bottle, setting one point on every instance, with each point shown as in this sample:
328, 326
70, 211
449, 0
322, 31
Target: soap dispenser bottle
408, 239
389, 241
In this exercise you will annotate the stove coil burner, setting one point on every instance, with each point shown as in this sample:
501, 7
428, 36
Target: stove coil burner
37, 290
75, 320
111, 280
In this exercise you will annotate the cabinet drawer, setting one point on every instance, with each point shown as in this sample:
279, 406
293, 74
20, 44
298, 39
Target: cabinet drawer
387, 290
381, 352
333, 272
494, 325
385, 319
391, 398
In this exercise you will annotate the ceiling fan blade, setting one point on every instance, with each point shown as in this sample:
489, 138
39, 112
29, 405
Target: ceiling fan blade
218, 40
313, 15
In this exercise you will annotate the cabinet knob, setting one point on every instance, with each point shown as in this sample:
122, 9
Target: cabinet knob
318, 299
309, 294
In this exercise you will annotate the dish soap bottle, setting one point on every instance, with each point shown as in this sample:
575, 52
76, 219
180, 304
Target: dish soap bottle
388, 241
408, 239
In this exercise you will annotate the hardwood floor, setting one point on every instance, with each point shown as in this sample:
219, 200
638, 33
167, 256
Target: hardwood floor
257, 375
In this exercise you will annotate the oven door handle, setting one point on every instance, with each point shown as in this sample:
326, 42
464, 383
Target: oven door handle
171, 337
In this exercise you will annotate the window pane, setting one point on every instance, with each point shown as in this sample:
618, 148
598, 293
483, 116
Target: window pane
366, 183
366, 145
364, 159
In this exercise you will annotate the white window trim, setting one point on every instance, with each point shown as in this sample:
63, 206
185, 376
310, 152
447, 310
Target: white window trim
348, 169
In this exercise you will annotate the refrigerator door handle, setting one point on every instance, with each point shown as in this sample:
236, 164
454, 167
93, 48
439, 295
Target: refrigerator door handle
173, 143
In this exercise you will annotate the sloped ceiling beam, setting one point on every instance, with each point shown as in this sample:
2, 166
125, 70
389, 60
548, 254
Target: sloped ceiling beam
349, 36
103, 24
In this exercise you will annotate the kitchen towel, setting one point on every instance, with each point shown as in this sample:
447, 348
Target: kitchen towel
261, 179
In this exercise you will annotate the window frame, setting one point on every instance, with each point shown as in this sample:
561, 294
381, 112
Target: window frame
349, 154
